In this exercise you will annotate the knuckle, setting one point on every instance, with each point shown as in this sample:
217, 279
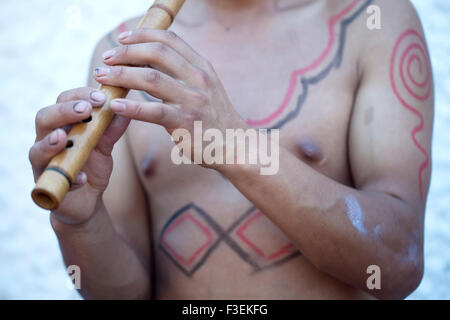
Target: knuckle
208, 66
199, 98
158, 49
123, 52
40, 119
204, 79
161, 112
117, 72
63, 96
31, 154
170, 35
195, 115
137, 112
36, 153
81, 93
152, 76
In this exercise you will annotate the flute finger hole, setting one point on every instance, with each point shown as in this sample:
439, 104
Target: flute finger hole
87, 119
69, 144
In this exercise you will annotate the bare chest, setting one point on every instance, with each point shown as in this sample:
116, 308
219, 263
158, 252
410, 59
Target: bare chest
301, 84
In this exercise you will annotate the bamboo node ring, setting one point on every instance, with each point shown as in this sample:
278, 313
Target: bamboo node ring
62, 173
164, 8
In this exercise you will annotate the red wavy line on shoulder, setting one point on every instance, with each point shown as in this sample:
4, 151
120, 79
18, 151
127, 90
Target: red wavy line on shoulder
333, 20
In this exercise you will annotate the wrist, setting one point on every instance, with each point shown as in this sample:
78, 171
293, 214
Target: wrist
251, 152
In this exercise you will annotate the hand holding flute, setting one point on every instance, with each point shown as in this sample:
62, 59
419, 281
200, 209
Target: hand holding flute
57, 157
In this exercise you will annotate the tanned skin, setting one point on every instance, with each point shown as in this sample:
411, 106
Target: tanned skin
355, 110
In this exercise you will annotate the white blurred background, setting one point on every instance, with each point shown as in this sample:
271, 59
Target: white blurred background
45, 48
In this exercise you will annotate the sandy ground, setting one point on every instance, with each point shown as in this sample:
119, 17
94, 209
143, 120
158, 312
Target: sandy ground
45, 48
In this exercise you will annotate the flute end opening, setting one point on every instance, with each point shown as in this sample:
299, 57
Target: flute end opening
44, 200
51, 188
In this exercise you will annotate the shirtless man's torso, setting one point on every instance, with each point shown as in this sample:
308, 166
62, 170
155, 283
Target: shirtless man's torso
315, 71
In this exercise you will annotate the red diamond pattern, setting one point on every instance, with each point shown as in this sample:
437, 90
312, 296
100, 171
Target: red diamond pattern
268, 257
183, 219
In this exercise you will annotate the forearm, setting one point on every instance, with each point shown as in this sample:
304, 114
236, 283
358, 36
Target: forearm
110, 269
339, 229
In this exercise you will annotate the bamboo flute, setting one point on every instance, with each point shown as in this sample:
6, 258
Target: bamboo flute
54, 183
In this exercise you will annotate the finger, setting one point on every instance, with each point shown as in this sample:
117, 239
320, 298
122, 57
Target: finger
150, 80
60, 115
100, 160
79, 181
95, 97
154, 112
156, 54
44, 150
112, 134
169, 38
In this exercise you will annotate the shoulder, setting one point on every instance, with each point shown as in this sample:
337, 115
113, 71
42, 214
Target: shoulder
396, 19
110, 39
127, 25
397, 12
107, 42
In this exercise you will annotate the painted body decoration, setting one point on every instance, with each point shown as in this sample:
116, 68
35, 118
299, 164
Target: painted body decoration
301, 79
191, 235
319, 69
410, 75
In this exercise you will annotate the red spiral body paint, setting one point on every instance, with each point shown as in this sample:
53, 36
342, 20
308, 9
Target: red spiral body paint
415, 87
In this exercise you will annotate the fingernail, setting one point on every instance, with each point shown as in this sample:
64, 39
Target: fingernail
99, 71
118, 106
108, 54
54, 137
98, 96
81, 178
80, 107
123, 35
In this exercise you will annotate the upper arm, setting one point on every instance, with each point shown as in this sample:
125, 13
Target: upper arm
391, 126
124, 197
